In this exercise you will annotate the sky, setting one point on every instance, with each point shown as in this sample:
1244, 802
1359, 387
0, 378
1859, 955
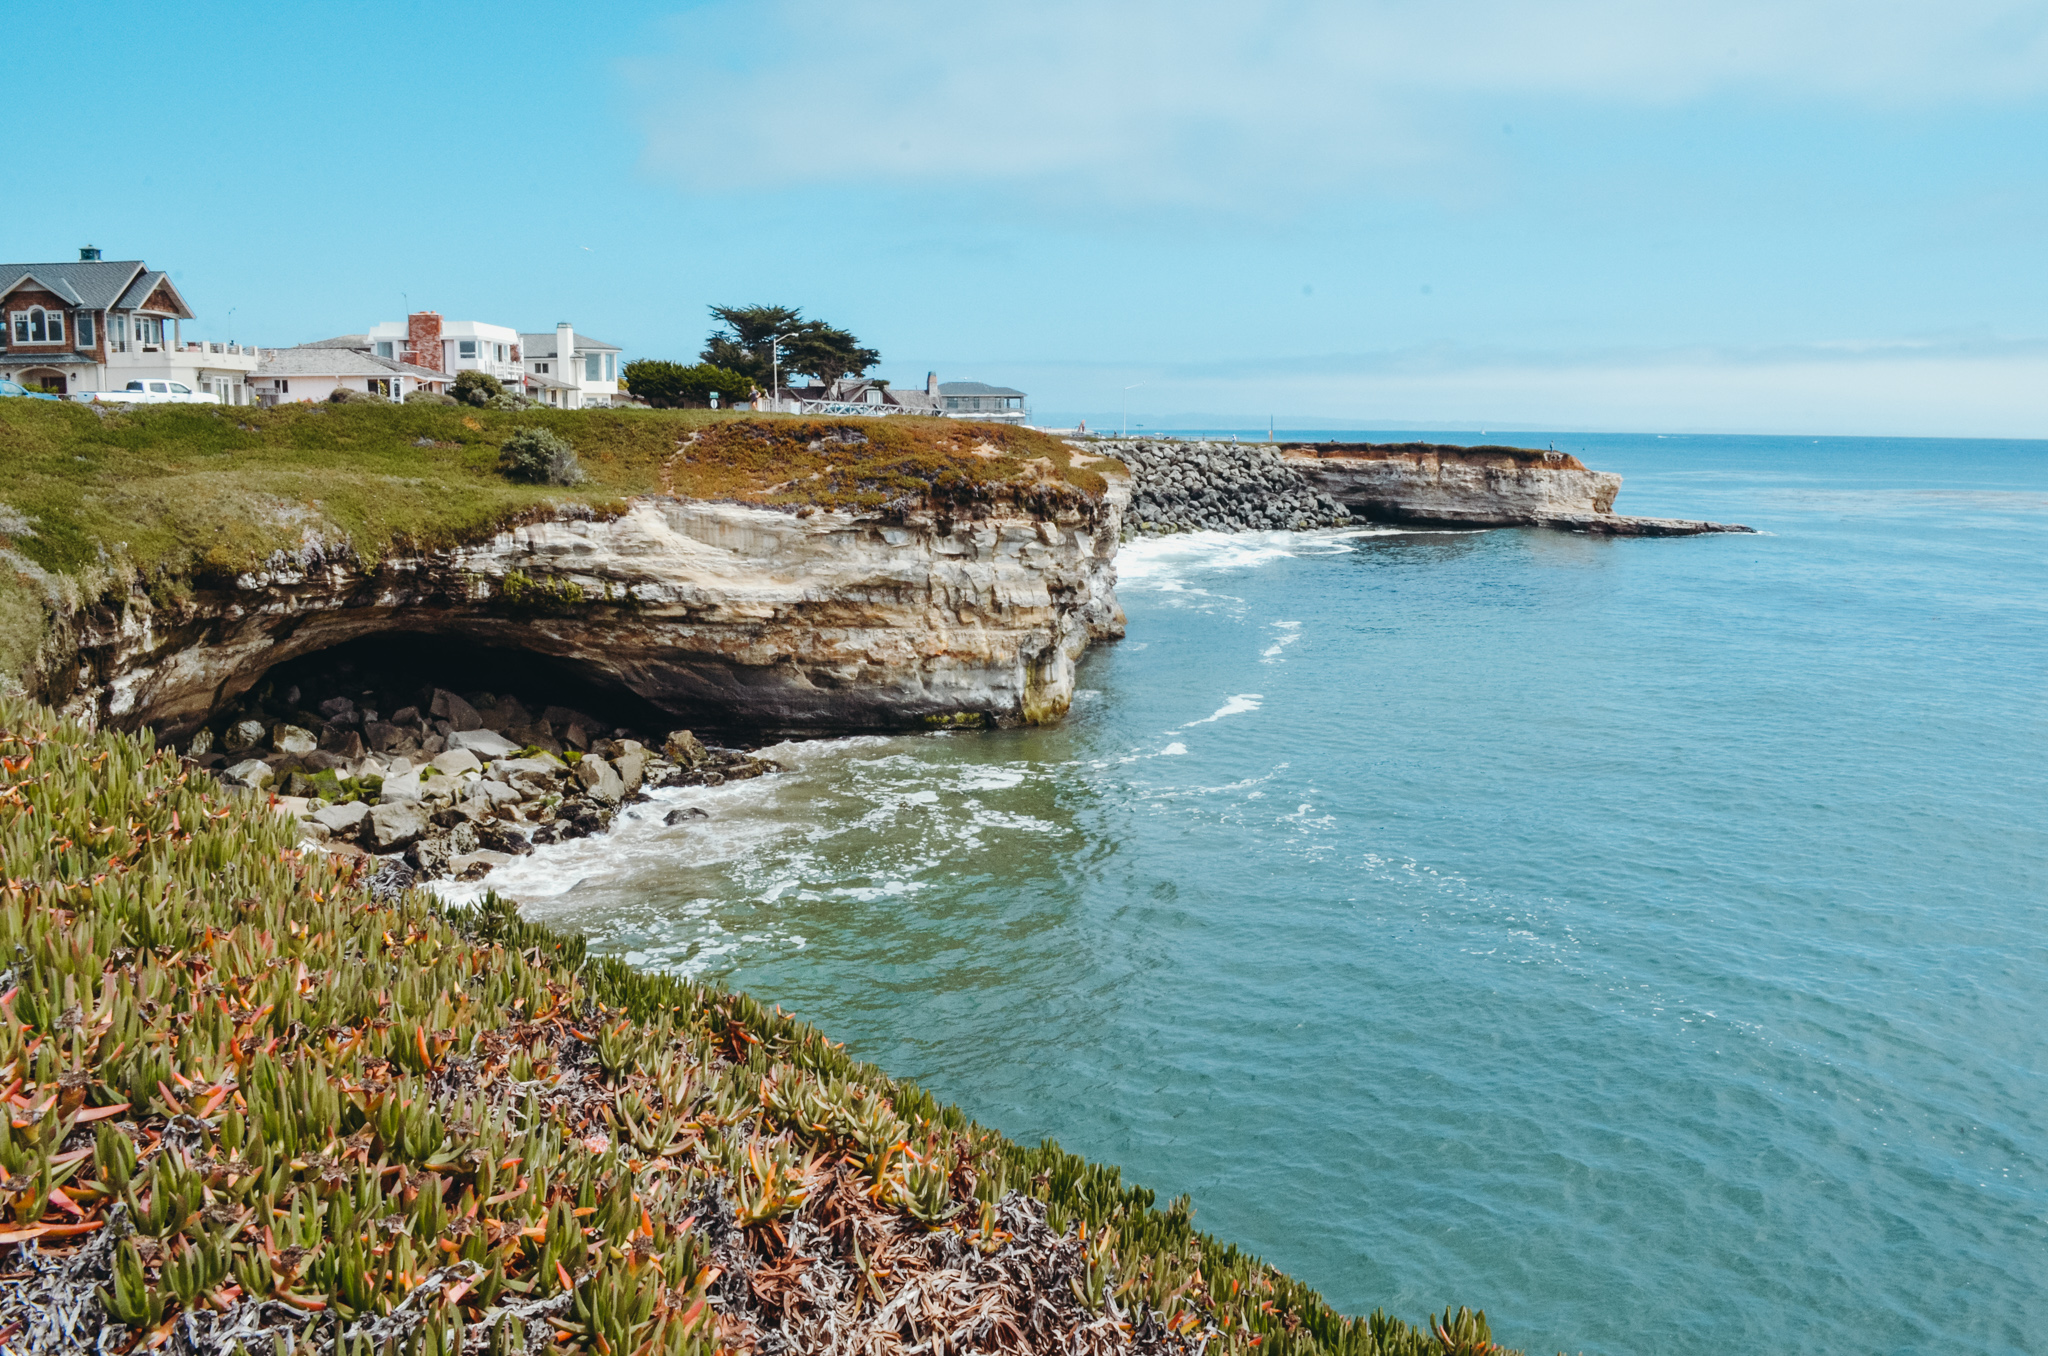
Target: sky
1790, 216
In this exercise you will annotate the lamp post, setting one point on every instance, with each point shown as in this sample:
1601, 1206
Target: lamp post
775, 367
1124, 420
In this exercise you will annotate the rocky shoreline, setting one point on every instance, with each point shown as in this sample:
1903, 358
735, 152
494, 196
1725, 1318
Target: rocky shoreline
1218, 487
1214, 486
450, 785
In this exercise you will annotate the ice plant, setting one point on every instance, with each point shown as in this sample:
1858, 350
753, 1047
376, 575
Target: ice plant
252, 1105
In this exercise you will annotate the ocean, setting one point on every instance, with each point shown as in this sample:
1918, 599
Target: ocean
1645, 941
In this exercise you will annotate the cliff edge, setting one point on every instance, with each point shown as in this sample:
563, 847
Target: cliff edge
1430, 484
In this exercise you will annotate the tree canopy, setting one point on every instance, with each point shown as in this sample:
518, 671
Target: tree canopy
809, 347
667, 385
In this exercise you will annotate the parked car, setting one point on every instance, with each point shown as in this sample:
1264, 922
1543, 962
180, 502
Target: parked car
150, 393
15, 388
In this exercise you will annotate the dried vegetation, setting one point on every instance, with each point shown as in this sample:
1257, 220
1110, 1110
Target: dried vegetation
178, 497
255, 1101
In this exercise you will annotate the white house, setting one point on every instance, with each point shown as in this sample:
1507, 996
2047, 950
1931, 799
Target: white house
424, 339
310, 373
569, 369
98, 324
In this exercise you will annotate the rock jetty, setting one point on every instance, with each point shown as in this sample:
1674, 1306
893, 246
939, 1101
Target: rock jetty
1218, 487
452, 784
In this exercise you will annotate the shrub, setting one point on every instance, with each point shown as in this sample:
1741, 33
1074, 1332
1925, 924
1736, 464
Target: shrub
476, 388
508, 401
667, 385
430, 398
342, 395
539, 457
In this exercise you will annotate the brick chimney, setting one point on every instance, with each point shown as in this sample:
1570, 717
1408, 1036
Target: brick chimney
931, 385
423, 340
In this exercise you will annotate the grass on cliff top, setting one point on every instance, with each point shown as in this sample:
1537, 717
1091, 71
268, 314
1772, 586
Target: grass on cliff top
171, 495
1485, 452
256, 1105
193, 490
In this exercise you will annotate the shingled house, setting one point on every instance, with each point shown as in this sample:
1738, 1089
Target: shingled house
96, 325
977, 400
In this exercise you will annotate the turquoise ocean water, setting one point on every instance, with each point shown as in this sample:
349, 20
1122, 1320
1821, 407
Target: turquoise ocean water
1646, 941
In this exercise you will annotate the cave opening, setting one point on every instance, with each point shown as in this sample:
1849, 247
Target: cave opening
392, 672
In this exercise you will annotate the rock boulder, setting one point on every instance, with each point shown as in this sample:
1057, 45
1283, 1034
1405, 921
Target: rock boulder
395, 826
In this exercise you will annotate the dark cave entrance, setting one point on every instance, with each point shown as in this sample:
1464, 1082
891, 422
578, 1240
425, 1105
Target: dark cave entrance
389, 672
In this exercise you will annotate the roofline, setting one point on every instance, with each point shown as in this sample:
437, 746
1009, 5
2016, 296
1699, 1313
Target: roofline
28, 273
183, 305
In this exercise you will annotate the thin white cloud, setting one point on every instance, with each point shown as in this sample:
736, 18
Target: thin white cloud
1194, 102
1910, 388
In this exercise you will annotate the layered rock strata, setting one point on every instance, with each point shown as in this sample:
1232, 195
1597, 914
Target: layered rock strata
1428, 484
1218, 487
736, 615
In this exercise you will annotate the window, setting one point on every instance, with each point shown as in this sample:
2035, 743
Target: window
610, 373
283, 386
159, 388
592, 365
501, 353
120, 334
379, 386
85, 329
541, 368
466, 348
134, 385
179, 388
149, 329
383, 348
38, 326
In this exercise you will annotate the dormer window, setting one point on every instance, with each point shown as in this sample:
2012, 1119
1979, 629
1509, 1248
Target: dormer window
38, 326
383, 348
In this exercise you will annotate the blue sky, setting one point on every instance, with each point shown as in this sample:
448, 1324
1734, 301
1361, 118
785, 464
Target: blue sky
1585, 214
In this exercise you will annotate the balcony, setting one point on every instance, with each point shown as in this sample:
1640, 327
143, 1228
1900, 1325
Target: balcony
191, 355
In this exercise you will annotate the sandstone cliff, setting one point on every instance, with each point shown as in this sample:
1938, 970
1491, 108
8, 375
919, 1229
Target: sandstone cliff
815, 620
1425, 483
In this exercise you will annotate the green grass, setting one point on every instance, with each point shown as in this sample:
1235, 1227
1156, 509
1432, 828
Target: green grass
181, 496
324, 1110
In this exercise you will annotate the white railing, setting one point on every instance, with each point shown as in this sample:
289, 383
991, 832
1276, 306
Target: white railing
213, 346
845, 407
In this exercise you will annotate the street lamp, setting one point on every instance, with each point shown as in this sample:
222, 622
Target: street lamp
775, 367
1124, 420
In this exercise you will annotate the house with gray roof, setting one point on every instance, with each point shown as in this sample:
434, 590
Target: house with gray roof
977, 400
94, 324
574, 371
312, 372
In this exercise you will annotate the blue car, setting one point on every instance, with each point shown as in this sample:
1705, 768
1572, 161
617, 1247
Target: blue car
15, 388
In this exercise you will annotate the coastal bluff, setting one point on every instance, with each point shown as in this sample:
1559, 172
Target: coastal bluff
1434, 485
760, 618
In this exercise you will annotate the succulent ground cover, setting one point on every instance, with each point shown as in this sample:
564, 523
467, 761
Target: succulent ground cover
257, 1101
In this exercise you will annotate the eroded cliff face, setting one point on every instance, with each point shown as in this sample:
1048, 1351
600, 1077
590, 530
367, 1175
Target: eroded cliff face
1453, 485
713, 612
1477, 487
